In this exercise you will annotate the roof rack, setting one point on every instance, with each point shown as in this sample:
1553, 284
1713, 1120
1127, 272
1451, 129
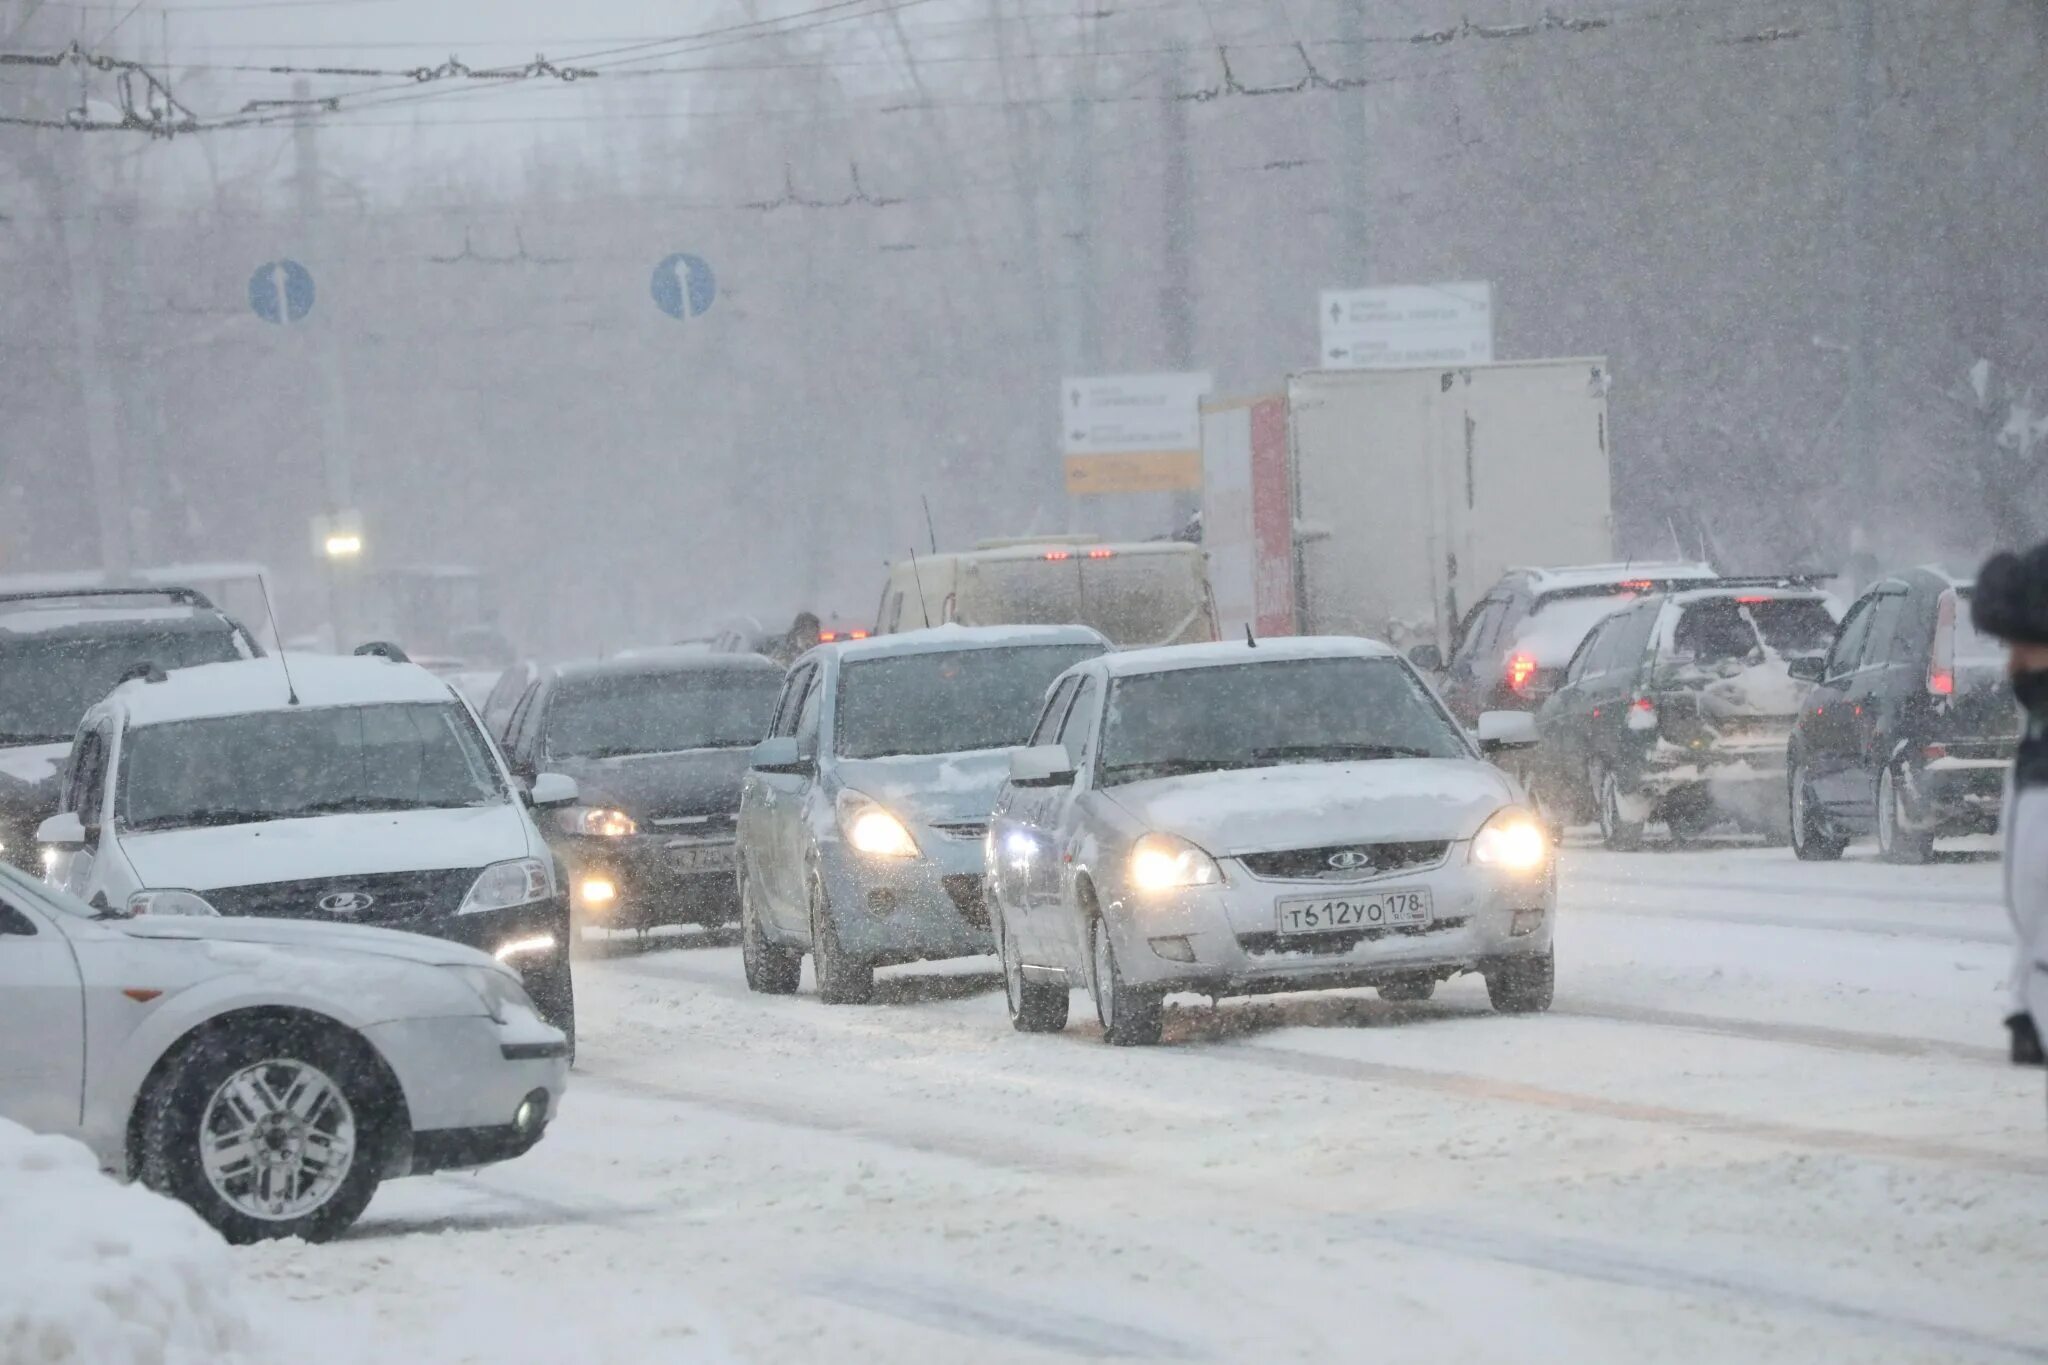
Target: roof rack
382, 649
1813, 578
184, 597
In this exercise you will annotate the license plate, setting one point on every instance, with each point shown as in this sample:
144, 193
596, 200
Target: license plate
1380, 910
702, 857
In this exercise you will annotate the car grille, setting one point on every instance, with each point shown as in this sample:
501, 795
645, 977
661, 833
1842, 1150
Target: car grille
963, 830
702, 825
1336, 941
970, 897
1313, 864
395, 896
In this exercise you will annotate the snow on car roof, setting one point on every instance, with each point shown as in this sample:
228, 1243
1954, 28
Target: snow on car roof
27, 618
935, 638
247, 686
1610, 575
1076, 549
1223, 653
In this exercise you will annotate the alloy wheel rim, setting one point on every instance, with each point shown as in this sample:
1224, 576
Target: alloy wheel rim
277, 1139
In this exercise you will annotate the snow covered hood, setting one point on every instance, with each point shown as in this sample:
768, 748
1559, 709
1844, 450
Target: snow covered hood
931, 787
316, 934
1307, 805
328, 846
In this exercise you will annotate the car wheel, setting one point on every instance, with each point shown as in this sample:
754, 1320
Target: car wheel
1616, 831
1035, 1006
1813, 841
1130, 1017
1408, 990
1896, 843
771, 968
1523, 985
268, 1132
841, 980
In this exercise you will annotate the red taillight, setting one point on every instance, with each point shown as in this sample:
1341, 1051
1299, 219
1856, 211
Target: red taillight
1751, 601
1521, 668
856, 635
1934, 751
826, 637
1638, 584
1941, 660
1058, 554
1644, 704
1642, 714
1102, 554
1941, 682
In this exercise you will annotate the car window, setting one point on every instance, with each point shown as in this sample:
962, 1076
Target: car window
793, 688
519, 728
47, 681
1890, 636
1847, 655
1481, 628
1079, 725
1577, 670
1055, 711
1598, 653
895, 614
13, 922
1631, 639
807, 715
503, 701
92, 777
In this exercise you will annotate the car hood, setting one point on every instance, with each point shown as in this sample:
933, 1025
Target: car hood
327, 846
689, 782
931, 787
318, 934
1307, 805
30, 775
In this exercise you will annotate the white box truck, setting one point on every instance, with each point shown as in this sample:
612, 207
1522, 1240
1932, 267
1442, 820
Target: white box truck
1414, 490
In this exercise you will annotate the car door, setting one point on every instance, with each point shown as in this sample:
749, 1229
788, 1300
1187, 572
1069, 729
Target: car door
1017, 833
42, 1021
1874, 696
1469, 675
1827, 731
1066, 942
1563, 726
770, 806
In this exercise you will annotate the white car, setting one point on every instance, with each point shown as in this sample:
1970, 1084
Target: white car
353, 789
266, 1072
1228, 819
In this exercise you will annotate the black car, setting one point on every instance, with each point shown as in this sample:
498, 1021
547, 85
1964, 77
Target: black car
1678, 708
1513, 645
658, 744
62, 651
1909, 728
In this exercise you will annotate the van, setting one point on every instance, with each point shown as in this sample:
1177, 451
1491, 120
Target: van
1141, 594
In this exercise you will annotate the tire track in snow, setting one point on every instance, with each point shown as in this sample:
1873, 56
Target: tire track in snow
974, 1310
1764, 920
1795, 888
1803, 1035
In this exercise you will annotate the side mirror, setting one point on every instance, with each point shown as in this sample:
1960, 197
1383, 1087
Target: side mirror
66, 831
1428, 658
780, 755
1807, 668
1499, 730
554, 789
1044, 766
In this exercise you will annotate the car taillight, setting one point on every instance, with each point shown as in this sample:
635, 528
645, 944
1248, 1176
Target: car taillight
1941, 660
1642, 714
1521, 671
1058, 555
1934, 751
1637, 584
1102, 554
1751, 601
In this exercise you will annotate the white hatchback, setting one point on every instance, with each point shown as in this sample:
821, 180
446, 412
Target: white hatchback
269, 1073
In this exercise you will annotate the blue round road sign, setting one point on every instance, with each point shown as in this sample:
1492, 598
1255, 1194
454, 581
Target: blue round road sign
281, 291
683, 286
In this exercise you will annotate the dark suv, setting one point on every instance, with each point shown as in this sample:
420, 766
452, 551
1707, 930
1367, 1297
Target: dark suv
658, 744
1514, 644
1677, 709
62, 651
1909, 728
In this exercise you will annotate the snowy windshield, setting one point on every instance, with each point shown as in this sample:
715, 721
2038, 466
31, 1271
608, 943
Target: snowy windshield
1261, 715
1134, 599
47, 684
277, 765
946, 702
646, 713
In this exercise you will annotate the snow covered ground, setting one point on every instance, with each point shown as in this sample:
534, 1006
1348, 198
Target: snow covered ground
1769, 1121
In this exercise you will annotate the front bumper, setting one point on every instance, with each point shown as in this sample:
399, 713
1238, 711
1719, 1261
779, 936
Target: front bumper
889, 910
650, 886
545, 971
464, 1080
1230, 932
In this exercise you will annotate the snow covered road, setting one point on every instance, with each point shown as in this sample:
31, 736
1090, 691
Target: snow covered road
1769, 1120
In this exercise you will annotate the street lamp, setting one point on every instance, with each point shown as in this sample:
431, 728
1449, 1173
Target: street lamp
343, 545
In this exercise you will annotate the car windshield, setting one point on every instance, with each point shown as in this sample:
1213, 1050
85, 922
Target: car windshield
1266, 714
1733, 628
947, 702
1134, 599
278, 765
47, 684
653, 713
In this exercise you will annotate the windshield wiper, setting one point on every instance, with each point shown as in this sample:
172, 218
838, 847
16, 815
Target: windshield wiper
212, 815
10, 737
350, 804
1311, 753
1167, 767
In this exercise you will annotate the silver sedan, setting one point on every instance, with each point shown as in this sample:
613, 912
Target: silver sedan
1234, 820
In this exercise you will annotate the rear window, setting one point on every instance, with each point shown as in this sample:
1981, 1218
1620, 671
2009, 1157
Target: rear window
47, 684
1724, 628
1134, 599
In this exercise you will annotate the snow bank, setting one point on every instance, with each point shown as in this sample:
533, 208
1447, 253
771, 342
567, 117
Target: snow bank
101, 1273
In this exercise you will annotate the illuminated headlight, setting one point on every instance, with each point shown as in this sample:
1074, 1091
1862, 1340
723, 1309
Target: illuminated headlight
872, 830
1512, 841
601, 822
498, 989
521, 881
1165, 862
169, 903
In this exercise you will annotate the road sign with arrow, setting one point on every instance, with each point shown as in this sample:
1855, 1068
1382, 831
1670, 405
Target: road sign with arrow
1408, 325
1132, 433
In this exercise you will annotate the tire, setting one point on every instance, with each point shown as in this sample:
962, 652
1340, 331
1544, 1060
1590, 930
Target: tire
1130, 1017
1035, 1007
1620, 835
841, 980
1523, 985
771, 969
1408, 990
1813, 841
251, 1078
1895, 844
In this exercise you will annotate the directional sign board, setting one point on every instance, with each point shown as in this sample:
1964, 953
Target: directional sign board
683, 286
281, 291
1408, 325
1132, 433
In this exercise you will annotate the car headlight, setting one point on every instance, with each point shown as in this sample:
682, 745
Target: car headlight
169, 902
602, 822
498, 989
1513, 840
521, 881
1166, 862
871, 829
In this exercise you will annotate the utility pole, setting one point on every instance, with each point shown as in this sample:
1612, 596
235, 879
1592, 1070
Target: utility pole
1176, 256
1082, 329
1355, 128
76, 225
322, 349
1860, 471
